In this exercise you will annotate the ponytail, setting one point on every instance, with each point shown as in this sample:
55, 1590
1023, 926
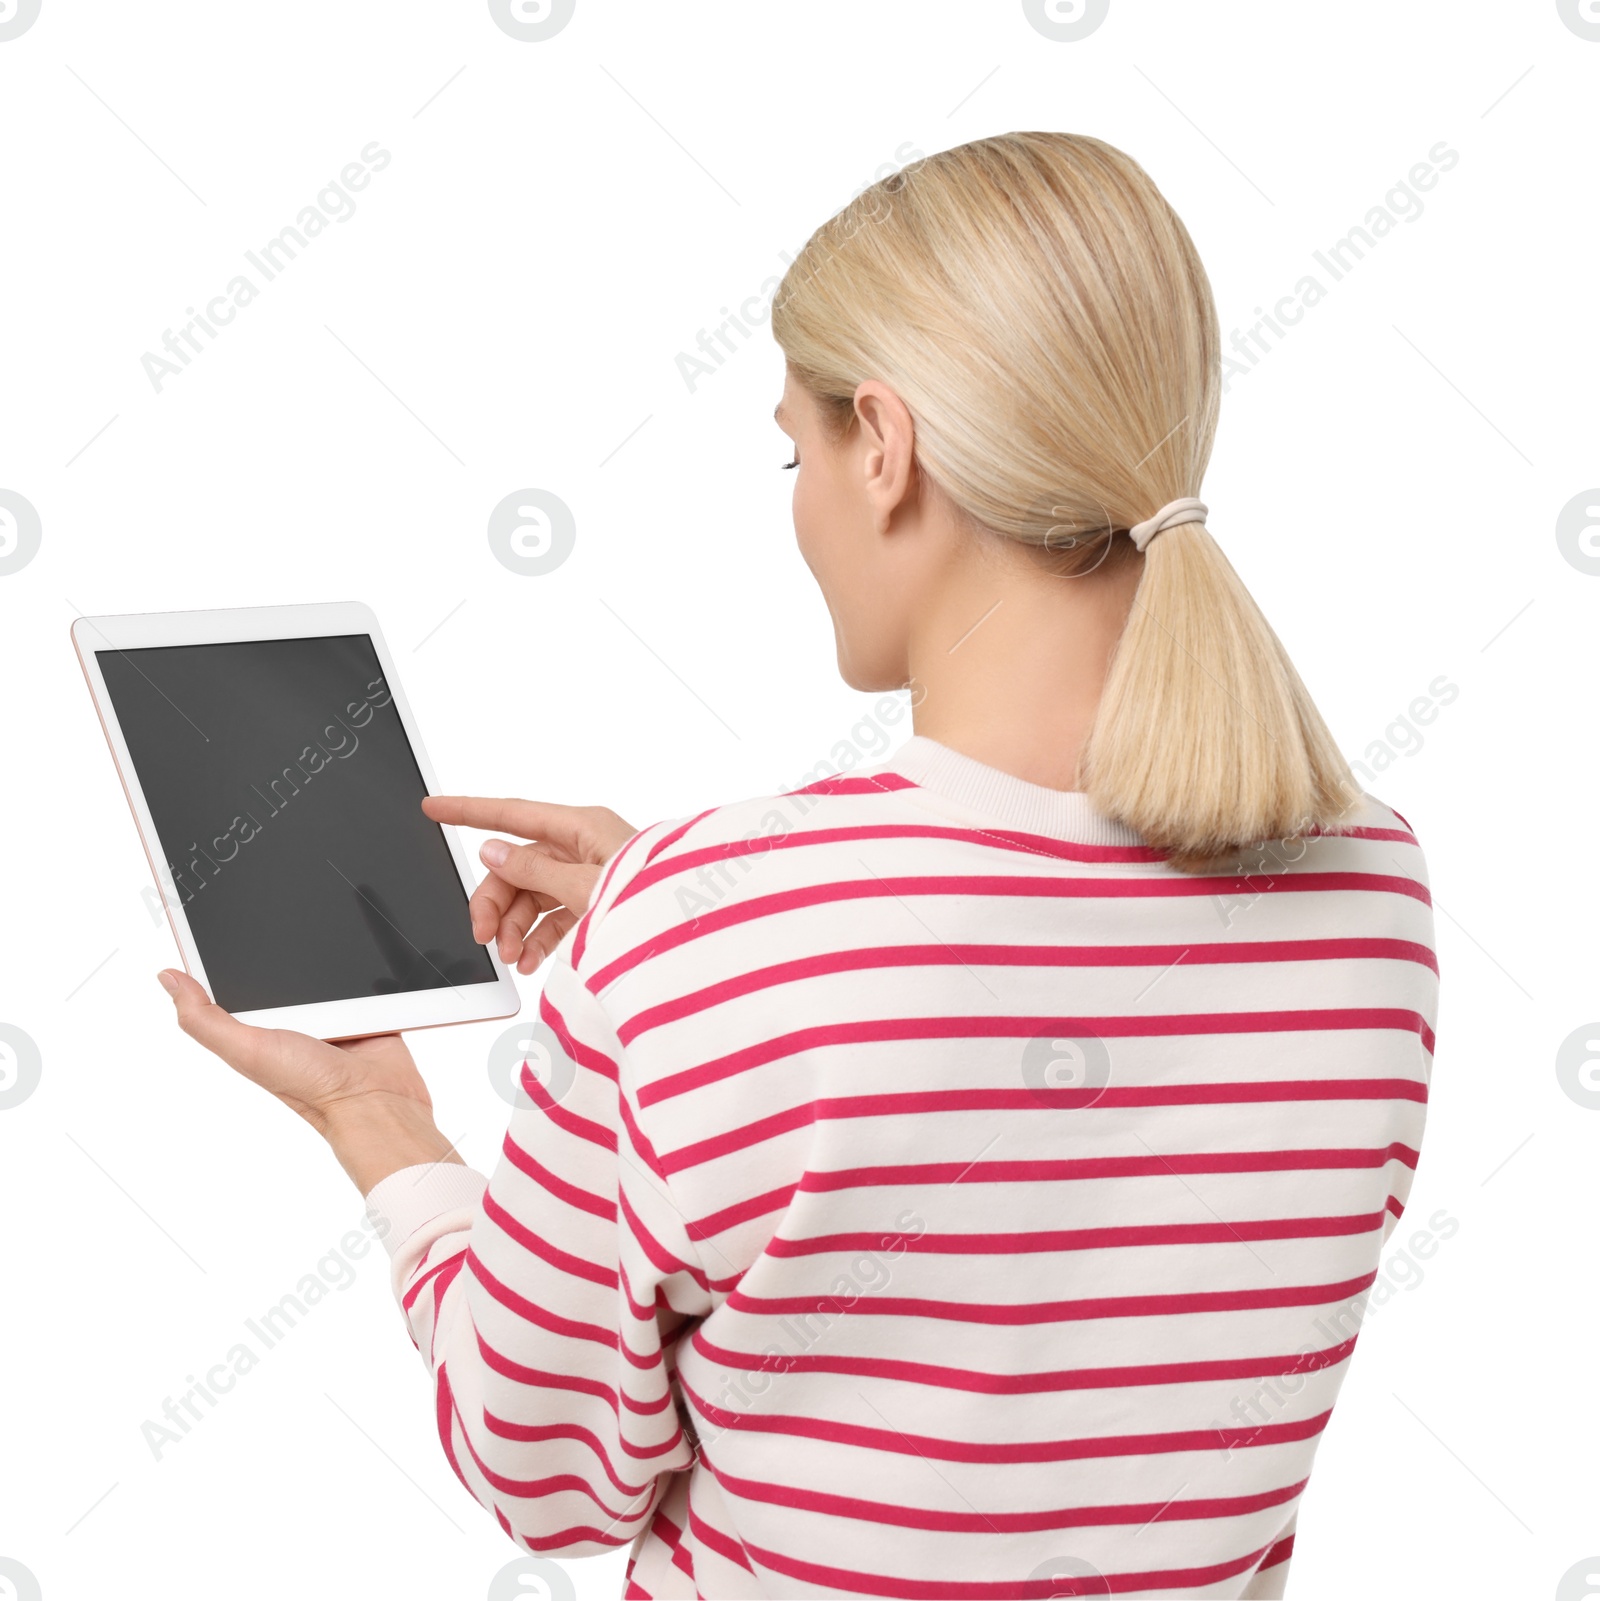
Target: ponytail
1206, 740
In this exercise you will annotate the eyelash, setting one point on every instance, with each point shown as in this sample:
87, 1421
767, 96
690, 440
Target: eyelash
788, 464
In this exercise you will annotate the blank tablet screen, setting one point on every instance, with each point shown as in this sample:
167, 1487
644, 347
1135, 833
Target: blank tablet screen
287, 800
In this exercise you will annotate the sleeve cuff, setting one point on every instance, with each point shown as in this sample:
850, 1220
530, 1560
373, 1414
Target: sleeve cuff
402, 1203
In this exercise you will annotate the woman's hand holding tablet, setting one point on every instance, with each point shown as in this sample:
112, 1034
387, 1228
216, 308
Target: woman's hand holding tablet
365, 1096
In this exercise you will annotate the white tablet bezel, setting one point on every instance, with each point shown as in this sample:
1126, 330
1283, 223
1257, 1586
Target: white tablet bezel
328, 1020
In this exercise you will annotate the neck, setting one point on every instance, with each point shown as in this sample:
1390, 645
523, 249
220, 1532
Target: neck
1007, 663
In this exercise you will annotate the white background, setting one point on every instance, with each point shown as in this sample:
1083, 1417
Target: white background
505, 310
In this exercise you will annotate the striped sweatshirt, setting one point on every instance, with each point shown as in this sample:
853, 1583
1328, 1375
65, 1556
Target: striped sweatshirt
919, 1188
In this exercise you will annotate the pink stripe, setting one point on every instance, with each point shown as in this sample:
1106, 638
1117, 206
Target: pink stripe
874, 1030
1001, 839
641, 1312
880, 784
984, 1383
1015, 1314
1281, 1552
672, 836
552, 1322
416, 1284
1105, 1167
563, 1261
666, 1531
560, 1543
1400, 836
1002, 1451
583, 1127
531, 1433
881, 956
440, 1286
582, 1200
995, 1522
755, 1206
777, 1200
725, 1545
663, 1260
930, 1102
1101, 1239
444, 1412
537, 1489
582, 1055
848, 1581
637, 1137
537, 1378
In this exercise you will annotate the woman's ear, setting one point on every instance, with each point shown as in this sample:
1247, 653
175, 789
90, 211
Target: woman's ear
888, 444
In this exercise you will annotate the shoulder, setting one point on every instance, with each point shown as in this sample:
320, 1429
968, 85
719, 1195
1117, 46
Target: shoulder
1374, 822
1372, 845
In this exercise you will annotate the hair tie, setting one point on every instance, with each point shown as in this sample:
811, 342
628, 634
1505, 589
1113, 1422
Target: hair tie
1172, 515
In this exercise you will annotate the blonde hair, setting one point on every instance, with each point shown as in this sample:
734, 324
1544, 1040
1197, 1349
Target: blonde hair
1043, 313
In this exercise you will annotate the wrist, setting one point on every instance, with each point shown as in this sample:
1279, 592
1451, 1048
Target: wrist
376, 1133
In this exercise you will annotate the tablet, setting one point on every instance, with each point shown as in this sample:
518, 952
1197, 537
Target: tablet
276, 777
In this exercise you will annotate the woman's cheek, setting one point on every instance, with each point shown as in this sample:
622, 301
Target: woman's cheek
811, 536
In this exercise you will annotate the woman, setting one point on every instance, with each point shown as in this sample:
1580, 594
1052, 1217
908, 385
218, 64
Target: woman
960, 1177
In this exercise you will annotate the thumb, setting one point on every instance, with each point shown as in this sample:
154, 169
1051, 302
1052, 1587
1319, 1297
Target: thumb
202, 1019
530, 868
